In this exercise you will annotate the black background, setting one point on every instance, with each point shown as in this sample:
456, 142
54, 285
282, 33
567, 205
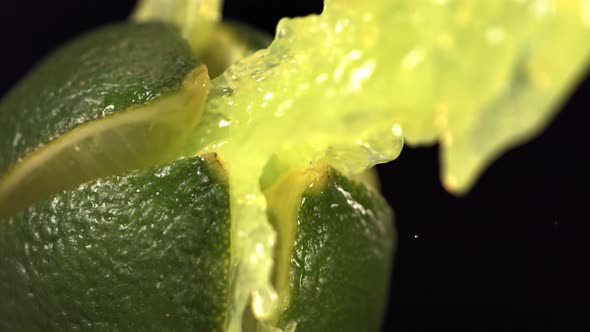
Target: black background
513, 255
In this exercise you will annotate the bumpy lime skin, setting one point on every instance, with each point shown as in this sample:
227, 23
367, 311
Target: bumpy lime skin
144, 251
341, 260
101, 73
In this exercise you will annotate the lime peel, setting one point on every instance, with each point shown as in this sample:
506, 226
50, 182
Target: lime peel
143, 135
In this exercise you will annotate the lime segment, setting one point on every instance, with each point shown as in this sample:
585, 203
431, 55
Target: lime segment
105, 104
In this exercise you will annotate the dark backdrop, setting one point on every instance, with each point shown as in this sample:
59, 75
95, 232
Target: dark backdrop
513, 255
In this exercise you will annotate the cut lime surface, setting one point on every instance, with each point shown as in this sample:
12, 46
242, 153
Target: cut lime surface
104, 72
105, 104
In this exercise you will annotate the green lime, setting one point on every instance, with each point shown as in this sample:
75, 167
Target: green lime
150, 251
338, 246
108, 223
144, 251
119, 98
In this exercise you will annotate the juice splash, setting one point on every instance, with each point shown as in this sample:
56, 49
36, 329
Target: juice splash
348, 86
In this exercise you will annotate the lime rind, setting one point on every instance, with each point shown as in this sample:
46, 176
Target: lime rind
133, 252
80, 82
81, 114
145, 135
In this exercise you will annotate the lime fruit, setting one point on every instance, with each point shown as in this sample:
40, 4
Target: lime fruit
108, 223
117, 99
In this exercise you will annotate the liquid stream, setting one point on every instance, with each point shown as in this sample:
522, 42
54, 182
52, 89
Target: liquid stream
348, 86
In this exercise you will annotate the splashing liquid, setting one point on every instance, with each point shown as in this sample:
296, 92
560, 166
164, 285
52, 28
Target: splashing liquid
260, 119
345, 86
